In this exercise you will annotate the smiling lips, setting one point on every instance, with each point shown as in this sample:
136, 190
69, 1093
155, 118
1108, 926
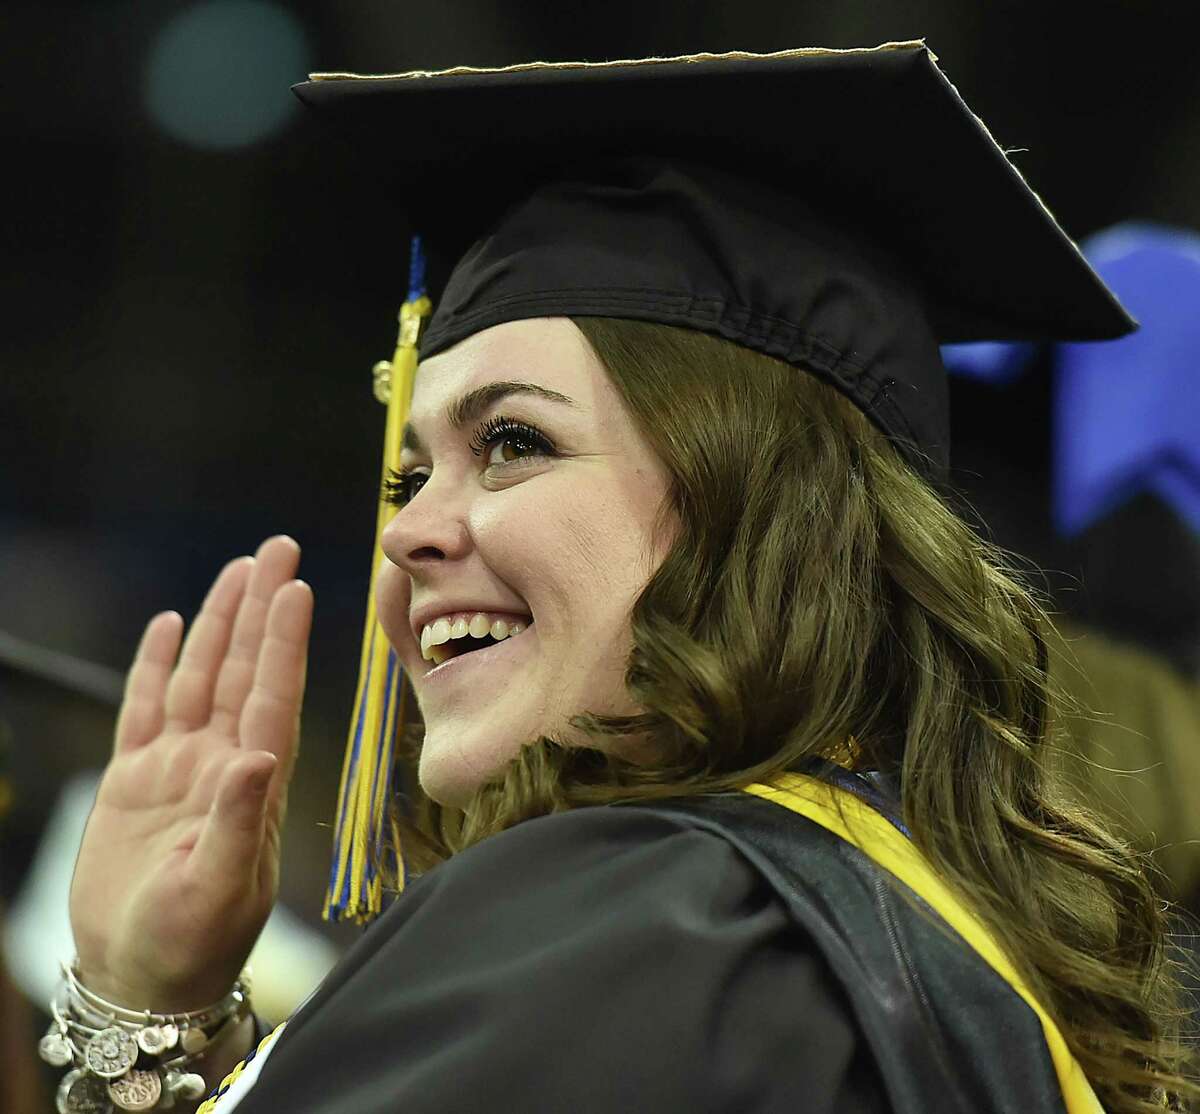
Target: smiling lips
454, 634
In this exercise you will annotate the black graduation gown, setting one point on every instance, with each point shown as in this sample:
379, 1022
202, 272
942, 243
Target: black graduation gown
593, 961
699, 955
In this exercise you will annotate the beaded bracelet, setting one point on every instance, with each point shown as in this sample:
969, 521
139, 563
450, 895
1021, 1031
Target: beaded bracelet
129, 1059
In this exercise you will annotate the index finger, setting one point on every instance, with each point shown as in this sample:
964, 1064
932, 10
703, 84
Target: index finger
275, 565
271, 714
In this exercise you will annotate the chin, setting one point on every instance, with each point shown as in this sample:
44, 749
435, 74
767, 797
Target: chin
451, 772
447, 793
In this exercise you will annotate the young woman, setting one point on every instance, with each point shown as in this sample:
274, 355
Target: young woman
728, 791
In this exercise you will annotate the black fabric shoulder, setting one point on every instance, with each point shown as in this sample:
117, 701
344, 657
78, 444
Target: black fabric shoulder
944, 1028
593, 961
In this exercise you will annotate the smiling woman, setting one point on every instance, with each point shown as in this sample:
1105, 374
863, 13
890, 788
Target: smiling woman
747, 806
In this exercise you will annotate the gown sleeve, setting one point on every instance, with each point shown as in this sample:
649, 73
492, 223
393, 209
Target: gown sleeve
593, 961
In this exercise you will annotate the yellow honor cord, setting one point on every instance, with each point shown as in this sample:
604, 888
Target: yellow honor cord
355, 885
218, 1093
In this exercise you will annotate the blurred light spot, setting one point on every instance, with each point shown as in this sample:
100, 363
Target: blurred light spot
218, 75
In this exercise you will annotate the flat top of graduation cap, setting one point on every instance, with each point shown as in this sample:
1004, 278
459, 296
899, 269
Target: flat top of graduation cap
877, 133
839, 209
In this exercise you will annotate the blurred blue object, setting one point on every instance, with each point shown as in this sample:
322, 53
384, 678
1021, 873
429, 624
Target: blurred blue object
993, 361
1127, 412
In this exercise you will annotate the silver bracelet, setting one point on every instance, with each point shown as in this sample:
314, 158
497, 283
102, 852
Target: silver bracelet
133, 1060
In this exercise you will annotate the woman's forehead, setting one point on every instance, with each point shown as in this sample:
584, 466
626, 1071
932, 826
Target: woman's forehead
546, 352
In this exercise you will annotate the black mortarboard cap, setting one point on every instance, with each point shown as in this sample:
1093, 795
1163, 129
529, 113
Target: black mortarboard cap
842, 210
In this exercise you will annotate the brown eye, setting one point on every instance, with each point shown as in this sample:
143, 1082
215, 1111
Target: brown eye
527, 440
523, 445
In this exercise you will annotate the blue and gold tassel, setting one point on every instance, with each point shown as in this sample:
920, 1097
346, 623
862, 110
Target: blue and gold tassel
355, 886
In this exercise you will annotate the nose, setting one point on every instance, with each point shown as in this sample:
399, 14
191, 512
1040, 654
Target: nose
430, 529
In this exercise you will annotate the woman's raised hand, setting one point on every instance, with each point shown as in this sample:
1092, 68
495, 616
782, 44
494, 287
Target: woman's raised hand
179, 864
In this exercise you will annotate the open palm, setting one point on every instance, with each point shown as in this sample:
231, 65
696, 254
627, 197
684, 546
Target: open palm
179, 864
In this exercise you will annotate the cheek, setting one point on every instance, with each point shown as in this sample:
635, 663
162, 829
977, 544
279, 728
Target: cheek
576, 552
604, 545
540, 535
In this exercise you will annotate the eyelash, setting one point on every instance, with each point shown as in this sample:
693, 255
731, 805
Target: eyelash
397, 488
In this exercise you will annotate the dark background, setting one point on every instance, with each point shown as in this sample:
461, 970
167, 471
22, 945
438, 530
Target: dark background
195, 285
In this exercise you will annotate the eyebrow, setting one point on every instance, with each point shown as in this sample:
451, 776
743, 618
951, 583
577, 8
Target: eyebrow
475, 402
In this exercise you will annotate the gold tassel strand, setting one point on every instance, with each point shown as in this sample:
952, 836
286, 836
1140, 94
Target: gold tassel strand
355, 885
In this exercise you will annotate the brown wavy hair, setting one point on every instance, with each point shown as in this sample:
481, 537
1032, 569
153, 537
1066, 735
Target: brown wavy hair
819, 589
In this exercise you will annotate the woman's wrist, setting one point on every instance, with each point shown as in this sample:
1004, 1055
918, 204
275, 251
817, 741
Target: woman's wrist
138, 994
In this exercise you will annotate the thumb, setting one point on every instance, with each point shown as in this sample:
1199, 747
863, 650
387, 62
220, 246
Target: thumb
232, 836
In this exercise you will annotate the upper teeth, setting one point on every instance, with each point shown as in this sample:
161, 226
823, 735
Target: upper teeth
478, 625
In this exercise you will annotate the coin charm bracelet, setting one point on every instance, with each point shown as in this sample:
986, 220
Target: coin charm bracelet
127, 1060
